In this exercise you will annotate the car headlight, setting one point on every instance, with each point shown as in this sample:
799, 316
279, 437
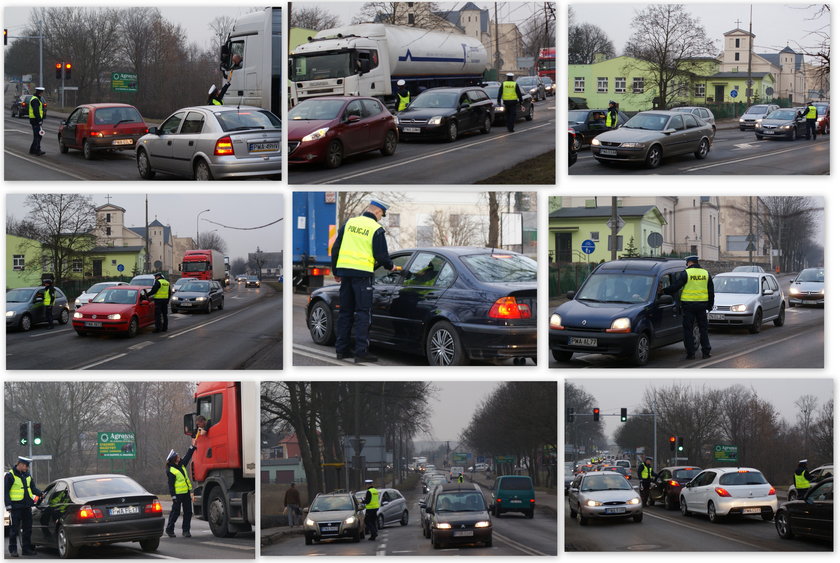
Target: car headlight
315, 135
115, 317
620, 325
794, 291
632, 145
443, 525
555, 322
175, 298
738, 308
76, 315
309, 522
350, 520
634, 501
591, 502
482, 524
436, 120
786, 127
10, 314
822, 291
200, 299
500, 109
596, 143
741, 120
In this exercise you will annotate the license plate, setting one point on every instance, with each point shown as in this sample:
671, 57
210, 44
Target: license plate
751, 511
329, 529
93, 323
185, 304
717, 317
609, 152
462, 534
116, 511
263, 147
122, 142
515, 501
591, 342
411, 129
619, 510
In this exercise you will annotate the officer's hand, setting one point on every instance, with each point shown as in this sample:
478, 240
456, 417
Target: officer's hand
174, 498
338, 279
193, 442
9, 507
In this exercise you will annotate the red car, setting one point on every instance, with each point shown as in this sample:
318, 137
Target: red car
99, 127
329, 129
119, 309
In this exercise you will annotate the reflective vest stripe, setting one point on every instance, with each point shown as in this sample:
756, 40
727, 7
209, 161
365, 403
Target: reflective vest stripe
404, 100
800, 481
509, 90
356, 252
47, 297
812, 112
646, 471
182, 481
41, 108
609, 121
216, 102
374, 499
163, 292
697, 287
17, 489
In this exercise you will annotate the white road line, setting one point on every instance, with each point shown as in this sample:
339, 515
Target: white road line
403, 551
159, 556
105, 361
220, 544
330, 361
202, 325
141, 345
750, 351
516, 545
43, 163
737, 160
61, 330
756, 545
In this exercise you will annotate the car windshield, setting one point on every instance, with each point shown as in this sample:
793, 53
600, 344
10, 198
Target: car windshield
498, 268
19, 295
757, 109
686, 473
431, 99
198, 287
145, 282
527, 80
242, 120
735, 284
107, 486
460, 501
516, 484
605, 483
578, 116
612, 288
742, 477
112, 116
492, 91
811, 275
116, 295
822, 110
316, 110
253, 278
327, 504
647, 121
783, 114
97, 287
320, 66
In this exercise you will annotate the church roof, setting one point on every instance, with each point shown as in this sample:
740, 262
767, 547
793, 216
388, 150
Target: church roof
109, 206
775, 58
738, 31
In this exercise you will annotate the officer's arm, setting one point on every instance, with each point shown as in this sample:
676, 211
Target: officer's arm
710, 287
171, 479
223, 91
336, 247
367, 497
7, 486
679, 283
187, 458
380, 250
155, 288
35, 490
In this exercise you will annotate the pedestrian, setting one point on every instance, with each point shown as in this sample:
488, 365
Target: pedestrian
36, 120
511, 96
214, 95
403, 95
611, 120
20, 495
49, 302
359, 246
802, 479
180, 489
646, 475
371, 509
698, 297
460, 477
292, 503
810, 114
160, 293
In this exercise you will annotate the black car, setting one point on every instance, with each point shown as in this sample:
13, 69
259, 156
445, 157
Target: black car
457, 513
589, 123
452, 304
252, 281
572, 144
668, 484
20, 106
96, 510
198, 295
532, 85
446, 113
620, 309
813, 516
499, 114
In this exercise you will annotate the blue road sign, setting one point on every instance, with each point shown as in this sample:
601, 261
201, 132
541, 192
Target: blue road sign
120, 268
588, 246
479, 459
733, 93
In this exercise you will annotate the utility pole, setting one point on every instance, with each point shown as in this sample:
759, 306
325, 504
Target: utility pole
498, 61
614, 228
749, 65
148, 267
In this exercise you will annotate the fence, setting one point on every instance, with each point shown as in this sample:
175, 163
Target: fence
565, 276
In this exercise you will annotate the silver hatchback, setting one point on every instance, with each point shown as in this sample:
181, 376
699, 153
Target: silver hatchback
213, 143
747, 300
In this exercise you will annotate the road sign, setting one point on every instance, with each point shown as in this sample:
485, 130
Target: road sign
505, 459
587, 246
117, 444
733, 93
120, 267
725, 452
43, 457
618, 221
655, 240
459, 457
123, 82
479, 459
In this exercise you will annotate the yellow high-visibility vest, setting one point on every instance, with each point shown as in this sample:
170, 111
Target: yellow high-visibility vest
163, 291
356, 252
800, 481
18, 487
403, 101
47, 298
646, 472
374, 499
509, 90
216, 102
697, 287
609, 121
812, 112
182, 481
41, 108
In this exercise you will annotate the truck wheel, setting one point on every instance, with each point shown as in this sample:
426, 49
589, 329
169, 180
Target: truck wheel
217, 515
320, 323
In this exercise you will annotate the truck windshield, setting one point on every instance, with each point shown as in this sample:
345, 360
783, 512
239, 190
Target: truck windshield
321, 66
195, 267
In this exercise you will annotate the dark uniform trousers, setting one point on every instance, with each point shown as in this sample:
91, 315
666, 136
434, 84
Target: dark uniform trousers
35, 147
695, 311
370, 522
185, 500
21, 519
511, 106
810, 129
356, 301
48, 315
161, 314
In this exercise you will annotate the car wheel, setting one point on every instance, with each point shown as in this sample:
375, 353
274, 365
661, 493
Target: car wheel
307, 539
66, 550
794, 134
780, 320
654, 157
714, 518
702, 150
755, 328
201, 171
61, 146
759, 138
452, 131
144, 166
767, 516
87, 152
25, 323
357, 536
217, 515
335, 154
489, 542
561, 356
64, 317
641, 354
221, 303
133, 328
380, 522
150, 544
443, 346
14, 111
684, 507
577, 143
792, 496
488, 123
81, 333
529, 514
582, 520
209, 308
638, 517
530, 115
783, 525
436, 543
389, 147
572, 511
404, 519
669, 503
321, 324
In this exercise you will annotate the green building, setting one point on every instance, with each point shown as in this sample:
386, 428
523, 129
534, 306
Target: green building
115, 261
23, 262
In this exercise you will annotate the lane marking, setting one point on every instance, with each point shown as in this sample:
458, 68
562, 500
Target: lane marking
105, 361
331, 361
208, 323
745, 159
516, 545
701, 530
220, 544
159, 556
50, 333
44, 164
141, 345
751, 350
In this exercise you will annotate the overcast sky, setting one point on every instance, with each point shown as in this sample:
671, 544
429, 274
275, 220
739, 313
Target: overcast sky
453, 407
774, 25
179, 211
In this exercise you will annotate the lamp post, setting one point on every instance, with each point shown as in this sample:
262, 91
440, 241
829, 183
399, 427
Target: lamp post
196, 225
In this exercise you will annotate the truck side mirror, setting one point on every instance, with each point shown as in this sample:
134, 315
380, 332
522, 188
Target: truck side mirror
189, 424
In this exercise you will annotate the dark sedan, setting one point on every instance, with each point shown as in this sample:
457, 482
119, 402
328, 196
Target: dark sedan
588, 123
452, 304
447, 113
525, 111
96, 510
813, 516
198, 295
327, 130
786, 123
20, 106
668, 484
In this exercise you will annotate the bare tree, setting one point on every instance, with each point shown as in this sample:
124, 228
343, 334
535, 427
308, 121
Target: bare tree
586, 41
538, 31
790, 224
315, 18
238, 266
822, 434
807, 405
415, 14
454, 229
819, 46
221, 26
211, 240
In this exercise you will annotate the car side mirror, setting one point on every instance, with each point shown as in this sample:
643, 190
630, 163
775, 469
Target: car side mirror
421, 504
154, 131
767, 292
305, 510
464, 105
353, 118
570, 294
665, 300
145, 302
429, 510
669, 131
363, 66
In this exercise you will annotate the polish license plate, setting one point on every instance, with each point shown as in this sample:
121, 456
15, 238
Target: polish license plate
591, 342
516, 501
755, 510
329, 529
263, 147
93, 324
411, 129
462, 534
122, 142
119, 510
619, 510
185, 304
717, 317
609, 152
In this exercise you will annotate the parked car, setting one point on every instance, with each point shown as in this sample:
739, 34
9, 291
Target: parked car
198, 295
425, 517
573, 142
747, 299
91, 292
93, 128
720, 492
143, 280
550, 86
748, 268
753, 114
823, 117
788, 123
213, 143
620, 310
666, 487
430, 483
25, 308
703, 114
807, 288
817, 474
499, 112
650, 136
625, 463
532, 85
452, 304
180, 282
333, 516
589, 123
252, 281
20, 106
121, 309
813, 516
513, 493
327, 130
458, 515
603, 494
446, 113
392, 507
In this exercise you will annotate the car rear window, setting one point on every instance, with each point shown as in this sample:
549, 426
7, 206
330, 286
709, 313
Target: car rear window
516, 484
150, 281
106, 486
242, 120
112, 116
743, 478
501, 267
686, 473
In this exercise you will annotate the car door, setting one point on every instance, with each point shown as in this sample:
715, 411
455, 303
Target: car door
380, 121
694, 490
355, 130
145, 309
159, 147
666, 318
52, 510
658, 487
40, 518
574, 491
185, 143
680, 141
59, 303
479, 106
771, 297
821, 510
464, 116
217, 292
70, 133
385, 284
416, 299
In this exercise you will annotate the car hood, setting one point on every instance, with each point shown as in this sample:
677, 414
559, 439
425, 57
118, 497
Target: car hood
86, 296
426, 113
104, 308
456, 518
806, 286
622, 495
18, 307
625, 135
191, 294
298, 129
330, 515
595, 315
777, 122
734, 298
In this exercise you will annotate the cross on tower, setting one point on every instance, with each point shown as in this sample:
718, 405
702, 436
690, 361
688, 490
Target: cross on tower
738, 24
108, 198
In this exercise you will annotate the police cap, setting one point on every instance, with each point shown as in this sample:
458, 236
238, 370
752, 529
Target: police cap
158, 275
803, 461
692, 258
172, 454
39, 89
400, 82
212, 89
509, 75
25, 460
383, 206
368, 481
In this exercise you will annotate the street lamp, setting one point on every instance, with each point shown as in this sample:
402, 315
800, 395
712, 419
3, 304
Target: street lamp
196, 225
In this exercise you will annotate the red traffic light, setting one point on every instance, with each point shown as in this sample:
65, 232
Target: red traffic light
672, 442
68, 66
57, 66
596, 411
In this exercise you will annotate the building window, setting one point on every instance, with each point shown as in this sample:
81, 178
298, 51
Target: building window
18, 262
107, 217
620, 85
595, 236
737, 45
76, 266
108, 231
580, 84
113, 262
737, 56
700, 90
394, 220
602, 84
410, 19
638, 85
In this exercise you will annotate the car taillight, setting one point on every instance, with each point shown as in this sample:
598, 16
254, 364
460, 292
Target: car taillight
498, 500
673, 483
153, 508
509, 308
96, 134
722, 492
224, 147
87, 511
772, 491
320, 271
532, 500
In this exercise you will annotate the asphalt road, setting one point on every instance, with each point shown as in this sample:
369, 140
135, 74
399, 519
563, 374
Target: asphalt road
246, 334
733, 152
469, 159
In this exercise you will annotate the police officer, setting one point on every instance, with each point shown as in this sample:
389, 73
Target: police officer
698, 296
612, 116
49, 301
511, 96
802, 479
180, 488
36, 120
20, 496
810, 121
360, 244
214, 95
160, 293
460, 477
403, 95
646, 475
371, 509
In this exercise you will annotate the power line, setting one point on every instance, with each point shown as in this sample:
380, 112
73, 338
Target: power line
243, 228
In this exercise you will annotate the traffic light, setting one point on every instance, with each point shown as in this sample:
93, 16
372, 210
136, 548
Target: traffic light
596, 414
570, 414
68, 68
36, 434
680, 447
672, 442
623, 415
24, 433
5, 36
58, 71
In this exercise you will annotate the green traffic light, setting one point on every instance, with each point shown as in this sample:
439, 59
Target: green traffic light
37, 441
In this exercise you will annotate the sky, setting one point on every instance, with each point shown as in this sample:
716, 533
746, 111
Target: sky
453, 406
180, 210
612, 394
774, 25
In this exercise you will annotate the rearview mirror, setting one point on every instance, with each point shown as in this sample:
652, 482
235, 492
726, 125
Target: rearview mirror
570, 294
189, 422
669, 131
353, 118
154, 131
665, 300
